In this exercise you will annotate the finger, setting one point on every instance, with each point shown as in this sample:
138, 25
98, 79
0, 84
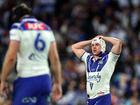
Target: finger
1, 90
55, 98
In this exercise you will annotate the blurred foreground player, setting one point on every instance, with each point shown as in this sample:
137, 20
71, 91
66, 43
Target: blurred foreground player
32, 42
99, 67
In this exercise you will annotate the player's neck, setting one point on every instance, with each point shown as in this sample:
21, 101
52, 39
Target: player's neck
24, 16
95, 57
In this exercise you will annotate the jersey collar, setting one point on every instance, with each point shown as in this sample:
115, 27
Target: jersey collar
101, 55
28, 18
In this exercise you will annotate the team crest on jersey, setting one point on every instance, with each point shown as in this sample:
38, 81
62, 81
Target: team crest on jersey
100, 62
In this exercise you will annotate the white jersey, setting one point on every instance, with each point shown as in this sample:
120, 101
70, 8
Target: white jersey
35, 38
98, 73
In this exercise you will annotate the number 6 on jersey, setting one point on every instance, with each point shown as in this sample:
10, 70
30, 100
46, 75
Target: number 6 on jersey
39, 43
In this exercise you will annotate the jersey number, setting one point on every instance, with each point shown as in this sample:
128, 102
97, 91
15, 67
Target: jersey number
39, 43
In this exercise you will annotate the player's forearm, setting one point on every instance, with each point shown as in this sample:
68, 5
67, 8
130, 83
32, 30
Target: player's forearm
78, 48
55, 63
81, 45
117, 44
7, 67
57, 72
112, 40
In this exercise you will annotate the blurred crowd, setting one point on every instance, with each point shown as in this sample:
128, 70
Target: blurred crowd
77, 20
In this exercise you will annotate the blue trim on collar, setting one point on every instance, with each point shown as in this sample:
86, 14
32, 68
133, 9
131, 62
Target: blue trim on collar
15, 26
28, 18
96, 66
25, 17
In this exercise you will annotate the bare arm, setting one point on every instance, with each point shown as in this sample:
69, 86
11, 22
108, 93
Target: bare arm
117, 44
56, 68
55, 63
78, 48
8, 64
9, 59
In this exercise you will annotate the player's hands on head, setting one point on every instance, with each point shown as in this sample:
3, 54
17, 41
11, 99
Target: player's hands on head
56, 92
100, 36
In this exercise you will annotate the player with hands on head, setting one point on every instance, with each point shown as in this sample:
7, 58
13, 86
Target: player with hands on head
100, 66
32, 43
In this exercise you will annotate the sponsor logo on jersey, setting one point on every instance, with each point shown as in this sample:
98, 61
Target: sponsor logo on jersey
35, 26
92, 78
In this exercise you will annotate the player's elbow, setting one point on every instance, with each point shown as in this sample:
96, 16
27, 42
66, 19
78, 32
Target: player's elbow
10, 57
120, 43
73, 48
55, 63
10, 60
119, 46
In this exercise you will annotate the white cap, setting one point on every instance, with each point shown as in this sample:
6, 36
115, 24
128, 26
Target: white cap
101, 42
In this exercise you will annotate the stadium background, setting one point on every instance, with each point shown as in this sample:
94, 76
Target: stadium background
76, 20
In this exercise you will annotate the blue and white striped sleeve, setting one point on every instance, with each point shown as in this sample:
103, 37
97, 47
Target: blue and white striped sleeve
51, 36
15, 32
84, 57
113, 57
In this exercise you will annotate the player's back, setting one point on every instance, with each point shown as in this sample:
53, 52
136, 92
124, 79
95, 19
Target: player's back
35, 38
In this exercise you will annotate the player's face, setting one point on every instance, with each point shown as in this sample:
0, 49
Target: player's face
96, 48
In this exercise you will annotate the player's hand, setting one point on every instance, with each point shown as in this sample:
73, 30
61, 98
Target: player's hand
3, 89
3, 93
99, 36
56, 92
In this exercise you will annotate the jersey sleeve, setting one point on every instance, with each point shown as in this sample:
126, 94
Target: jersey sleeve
84, 57
51, 36
113, 57
15, 32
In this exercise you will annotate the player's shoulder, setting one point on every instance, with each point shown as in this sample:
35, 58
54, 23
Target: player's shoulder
113, 56
47, 27
15, 25
86, 56
32, 23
